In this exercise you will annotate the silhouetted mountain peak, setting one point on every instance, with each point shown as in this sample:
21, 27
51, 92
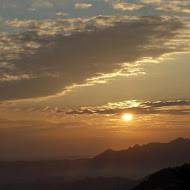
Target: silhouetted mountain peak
106, 153
109, 150
180, 140
148, 151
136, 146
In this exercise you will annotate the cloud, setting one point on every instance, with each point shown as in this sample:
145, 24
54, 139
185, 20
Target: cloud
127, 6
31, 9
42, 4
82, 5
152, 1
61, 14
6, 77
57, 55
176, 6
176, 107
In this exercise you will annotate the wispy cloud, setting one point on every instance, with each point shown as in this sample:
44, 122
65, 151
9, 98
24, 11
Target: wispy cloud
152, 1
61, 14
9, 78
82, 5
127, 6
179, 107
176, 6
42, 4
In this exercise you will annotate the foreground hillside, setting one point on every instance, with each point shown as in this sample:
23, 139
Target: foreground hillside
177, 178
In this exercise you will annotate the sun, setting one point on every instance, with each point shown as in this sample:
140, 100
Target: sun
127, 117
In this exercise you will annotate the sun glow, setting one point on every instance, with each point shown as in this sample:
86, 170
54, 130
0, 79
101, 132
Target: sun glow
127, 117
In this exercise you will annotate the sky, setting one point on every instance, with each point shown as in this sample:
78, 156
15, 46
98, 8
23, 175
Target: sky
70, 70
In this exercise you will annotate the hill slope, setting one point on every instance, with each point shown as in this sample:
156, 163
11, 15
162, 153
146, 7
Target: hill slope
177, 178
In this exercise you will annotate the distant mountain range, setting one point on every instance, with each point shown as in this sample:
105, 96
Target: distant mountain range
176, 178
140, 160
99, 183
135, 162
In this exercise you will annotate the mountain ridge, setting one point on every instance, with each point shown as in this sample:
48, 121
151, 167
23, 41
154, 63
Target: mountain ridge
179, 140
135, 163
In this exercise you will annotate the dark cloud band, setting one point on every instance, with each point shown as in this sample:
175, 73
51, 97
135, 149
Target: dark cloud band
62, 61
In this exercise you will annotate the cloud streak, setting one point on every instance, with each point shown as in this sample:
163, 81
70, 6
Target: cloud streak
82, 5
127, 6
179, 107
176, 6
